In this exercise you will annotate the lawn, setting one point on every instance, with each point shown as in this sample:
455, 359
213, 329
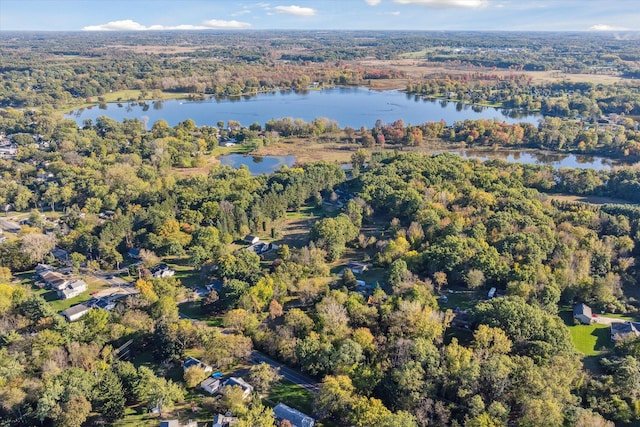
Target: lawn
590, 340
462, 300
292, 395
187, 275
58, 304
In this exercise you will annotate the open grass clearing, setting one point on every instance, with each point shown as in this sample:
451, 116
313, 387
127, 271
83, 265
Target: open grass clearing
460, 299
189, 277
292, 395
590, 340
594, 200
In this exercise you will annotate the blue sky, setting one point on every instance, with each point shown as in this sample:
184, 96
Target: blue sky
147, 15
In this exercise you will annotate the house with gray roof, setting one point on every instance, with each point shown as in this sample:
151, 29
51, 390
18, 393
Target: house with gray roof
296, 418
582, 313
621, 331
247, 388
76, 312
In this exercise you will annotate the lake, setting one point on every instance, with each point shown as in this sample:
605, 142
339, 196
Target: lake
354, 107
257, 165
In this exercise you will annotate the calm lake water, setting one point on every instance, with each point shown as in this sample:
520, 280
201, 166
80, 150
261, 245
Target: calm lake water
268, 164
353, 107
557, 160
257, 165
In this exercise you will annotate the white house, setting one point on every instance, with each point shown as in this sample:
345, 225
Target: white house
357, 267
76, 312
192, 361
162, 270
247, 388
211, 385
73, 289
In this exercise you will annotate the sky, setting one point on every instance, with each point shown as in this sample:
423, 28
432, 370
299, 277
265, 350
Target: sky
150, 15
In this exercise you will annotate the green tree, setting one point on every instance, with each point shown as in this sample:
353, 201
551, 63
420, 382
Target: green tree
262, 376
110, 396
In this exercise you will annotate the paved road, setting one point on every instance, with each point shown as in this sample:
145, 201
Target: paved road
288, 373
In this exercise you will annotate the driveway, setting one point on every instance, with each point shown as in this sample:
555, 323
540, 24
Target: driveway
603, 320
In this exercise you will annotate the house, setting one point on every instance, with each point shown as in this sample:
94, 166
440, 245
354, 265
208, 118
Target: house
42, 268
247, 388
106, 303
192, 361
296, 418
621, 331
73, 289
134, 253
211, 385
582, 313
162, 270
74, 313
260, 248
252, 240
8, 151
60, 254
55, 280
357, 267
223, 421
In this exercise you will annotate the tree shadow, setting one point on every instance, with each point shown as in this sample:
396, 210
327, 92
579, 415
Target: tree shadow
603, 338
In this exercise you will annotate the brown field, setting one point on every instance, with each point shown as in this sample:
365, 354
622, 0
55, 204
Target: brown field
153, 49
210, 162
418, 69
307, 150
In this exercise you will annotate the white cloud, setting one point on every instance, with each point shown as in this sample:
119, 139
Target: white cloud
605, 27
372, 2
241, 12
125, 25
295, 10
471, 4
218, 23
130, 25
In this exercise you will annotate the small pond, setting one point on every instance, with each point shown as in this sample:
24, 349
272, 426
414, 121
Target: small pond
532, 157
257, 165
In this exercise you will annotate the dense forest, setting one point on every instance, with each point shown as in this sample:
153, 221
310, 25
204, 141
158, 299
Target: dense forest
407, 288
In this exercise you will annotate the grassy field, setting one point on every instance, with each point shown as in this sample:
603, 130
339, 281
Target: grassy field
292, 395
185, 272
463, 300
590, 340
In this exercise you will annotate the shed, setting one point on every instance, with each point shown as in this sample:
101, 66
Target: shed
582, 313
